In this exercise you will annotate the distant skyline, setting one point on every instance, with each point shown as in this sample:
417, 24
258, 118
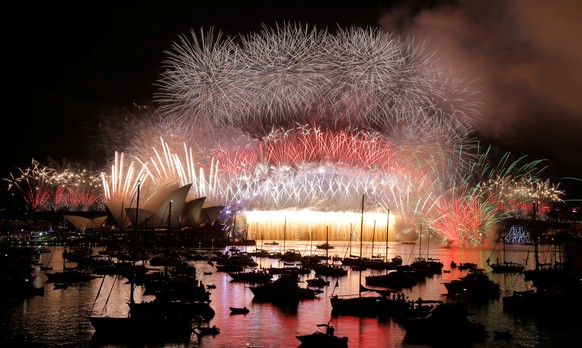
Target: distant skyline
69, 66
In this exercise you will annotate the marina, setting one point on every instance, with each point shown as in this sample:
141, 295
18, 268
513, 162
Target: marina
59, 317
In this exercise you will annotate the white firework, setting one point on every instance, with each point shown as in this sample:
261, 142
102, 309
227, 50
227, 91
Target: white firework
358, 77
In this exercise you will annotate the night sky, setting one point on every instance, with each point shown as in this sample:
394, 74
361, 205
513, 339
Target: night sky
67, 65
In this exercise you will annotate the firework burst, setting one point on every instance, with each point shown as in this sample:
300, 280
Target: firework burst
35, 184
360, 78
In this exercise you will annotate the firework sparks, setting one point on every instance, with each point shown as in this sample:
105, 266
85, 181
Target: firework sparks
361, 78
34, 184
299, 122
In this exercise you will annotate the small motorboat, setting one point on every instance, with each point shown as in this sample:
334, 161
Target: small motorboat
463, 266
323, 339
239, 310
325, 246
210, 330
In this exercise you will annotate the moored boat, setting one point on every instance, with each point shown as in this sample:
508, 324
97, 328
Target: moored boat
556, 293
323, 339
206, 330
159, 320
239, 310
326, 269
476, 285
70, 275
324, 246
285, 289
253, 276
505, 266
434, 329
318, 281
547, 303
464, 266
164, 319
393, 280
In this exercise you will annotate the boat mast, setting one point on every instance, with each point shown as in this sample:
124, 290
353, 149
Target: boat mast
503, 241
361, 244
234, 226
327, 244
387, 230
535, 233
121, 217
420, 242
373, 237
132, 283
362, 226
310, 242
351, 232
427, 241
260, 258
168, 239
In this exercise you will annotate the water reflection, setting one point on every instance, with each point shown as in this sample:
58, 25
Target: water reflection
59, 318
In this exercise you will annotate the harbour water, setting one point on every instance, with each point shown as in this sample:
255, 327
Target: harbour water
59, 317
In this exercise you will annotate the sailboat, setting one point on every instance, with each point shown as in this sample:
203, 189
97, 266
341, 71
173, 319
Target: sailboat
387, 263
355, 262
69, 275
427, 266
396, 277
375, 303
47, 267
290, 255
327, 269
505, 266
551, 275
158, 320
325, 246
556, 292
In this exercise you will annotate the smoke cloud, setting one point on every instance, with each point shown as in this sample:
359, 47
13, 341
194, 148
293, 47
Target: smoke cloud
525, 56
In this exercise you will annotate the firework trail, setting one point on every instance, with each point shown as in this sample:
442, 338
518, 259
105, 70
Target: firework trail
121, 184
166, 167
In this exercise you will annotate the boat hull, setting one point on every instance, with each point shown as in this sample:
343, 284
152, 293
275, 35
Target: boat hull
435, 329
284, 289
371, 306
320, 339
130, 329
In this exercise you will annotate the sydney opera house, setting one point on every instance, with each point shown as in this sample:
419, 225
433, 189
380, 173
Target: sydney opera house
166, 212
